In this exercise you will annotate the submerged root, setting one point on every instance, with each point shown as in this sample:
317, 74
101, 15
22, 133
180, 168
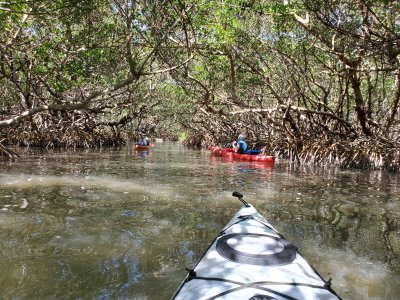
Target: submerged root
328, 151
7, 152
72, 137
322, 151
359, 153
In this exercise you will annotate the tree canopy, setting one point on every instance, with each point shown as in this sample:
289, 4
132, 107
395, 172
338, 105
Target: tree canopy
315, 80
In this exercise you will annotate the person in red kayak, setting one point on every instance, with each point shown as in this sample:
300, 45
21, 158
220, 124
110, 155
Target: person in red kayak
241, 146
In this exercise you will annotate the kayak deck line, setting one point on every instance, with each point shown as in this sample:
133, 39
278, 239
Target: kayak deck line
259, 285
249, 260
250, 285
325, 287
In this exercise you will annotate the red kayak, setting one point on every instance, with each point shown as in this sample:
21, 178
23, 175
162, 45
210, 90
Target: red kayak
229, 152
142, 148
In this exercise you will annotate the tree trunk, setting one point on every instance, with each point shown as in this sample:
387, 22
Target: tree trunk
359, 100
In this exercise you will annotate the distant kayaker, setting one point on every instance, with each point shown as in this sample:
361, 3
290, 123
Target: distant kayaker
144, 140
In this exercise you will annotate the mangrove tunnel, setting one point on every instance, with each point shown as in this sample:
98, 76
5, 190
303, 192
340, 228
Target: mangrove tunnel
315, 81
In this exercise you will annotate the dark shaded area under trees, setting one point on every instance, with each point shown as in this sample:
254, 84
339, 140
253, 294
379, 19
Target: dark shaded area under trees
316, 81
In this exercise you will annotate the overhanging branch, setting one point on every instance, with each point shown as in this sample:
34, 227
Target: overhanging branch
83, 104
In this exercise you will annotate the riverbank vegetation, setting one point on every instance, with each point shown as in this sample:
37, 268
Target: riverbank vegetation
316, 81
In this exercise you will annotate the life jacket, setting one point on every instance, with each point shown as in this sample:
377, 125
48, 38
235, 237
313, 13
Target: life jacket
144, 142
242, 146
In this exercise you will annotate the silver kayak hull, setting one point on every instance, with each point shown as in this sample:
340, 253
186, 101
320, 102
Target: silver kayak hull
249, 259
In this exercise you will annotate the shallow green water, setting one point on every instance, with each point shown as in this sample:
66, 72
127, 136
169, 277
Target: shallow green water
117, 224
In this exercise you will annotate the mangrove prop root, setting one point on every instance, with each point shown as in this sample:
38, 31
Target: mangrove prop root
7, 152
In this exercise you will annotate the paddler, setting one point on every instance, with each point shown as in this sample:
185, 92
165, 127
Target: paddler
144, 140
241, 146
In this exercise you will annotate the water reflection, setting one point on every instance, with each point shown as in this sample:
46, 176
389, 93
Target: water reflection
185, 250
126, 267
112, 223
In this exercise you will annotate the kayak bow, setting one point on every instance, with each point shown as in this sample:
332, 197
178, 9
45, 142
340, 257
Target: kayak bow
250, 260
